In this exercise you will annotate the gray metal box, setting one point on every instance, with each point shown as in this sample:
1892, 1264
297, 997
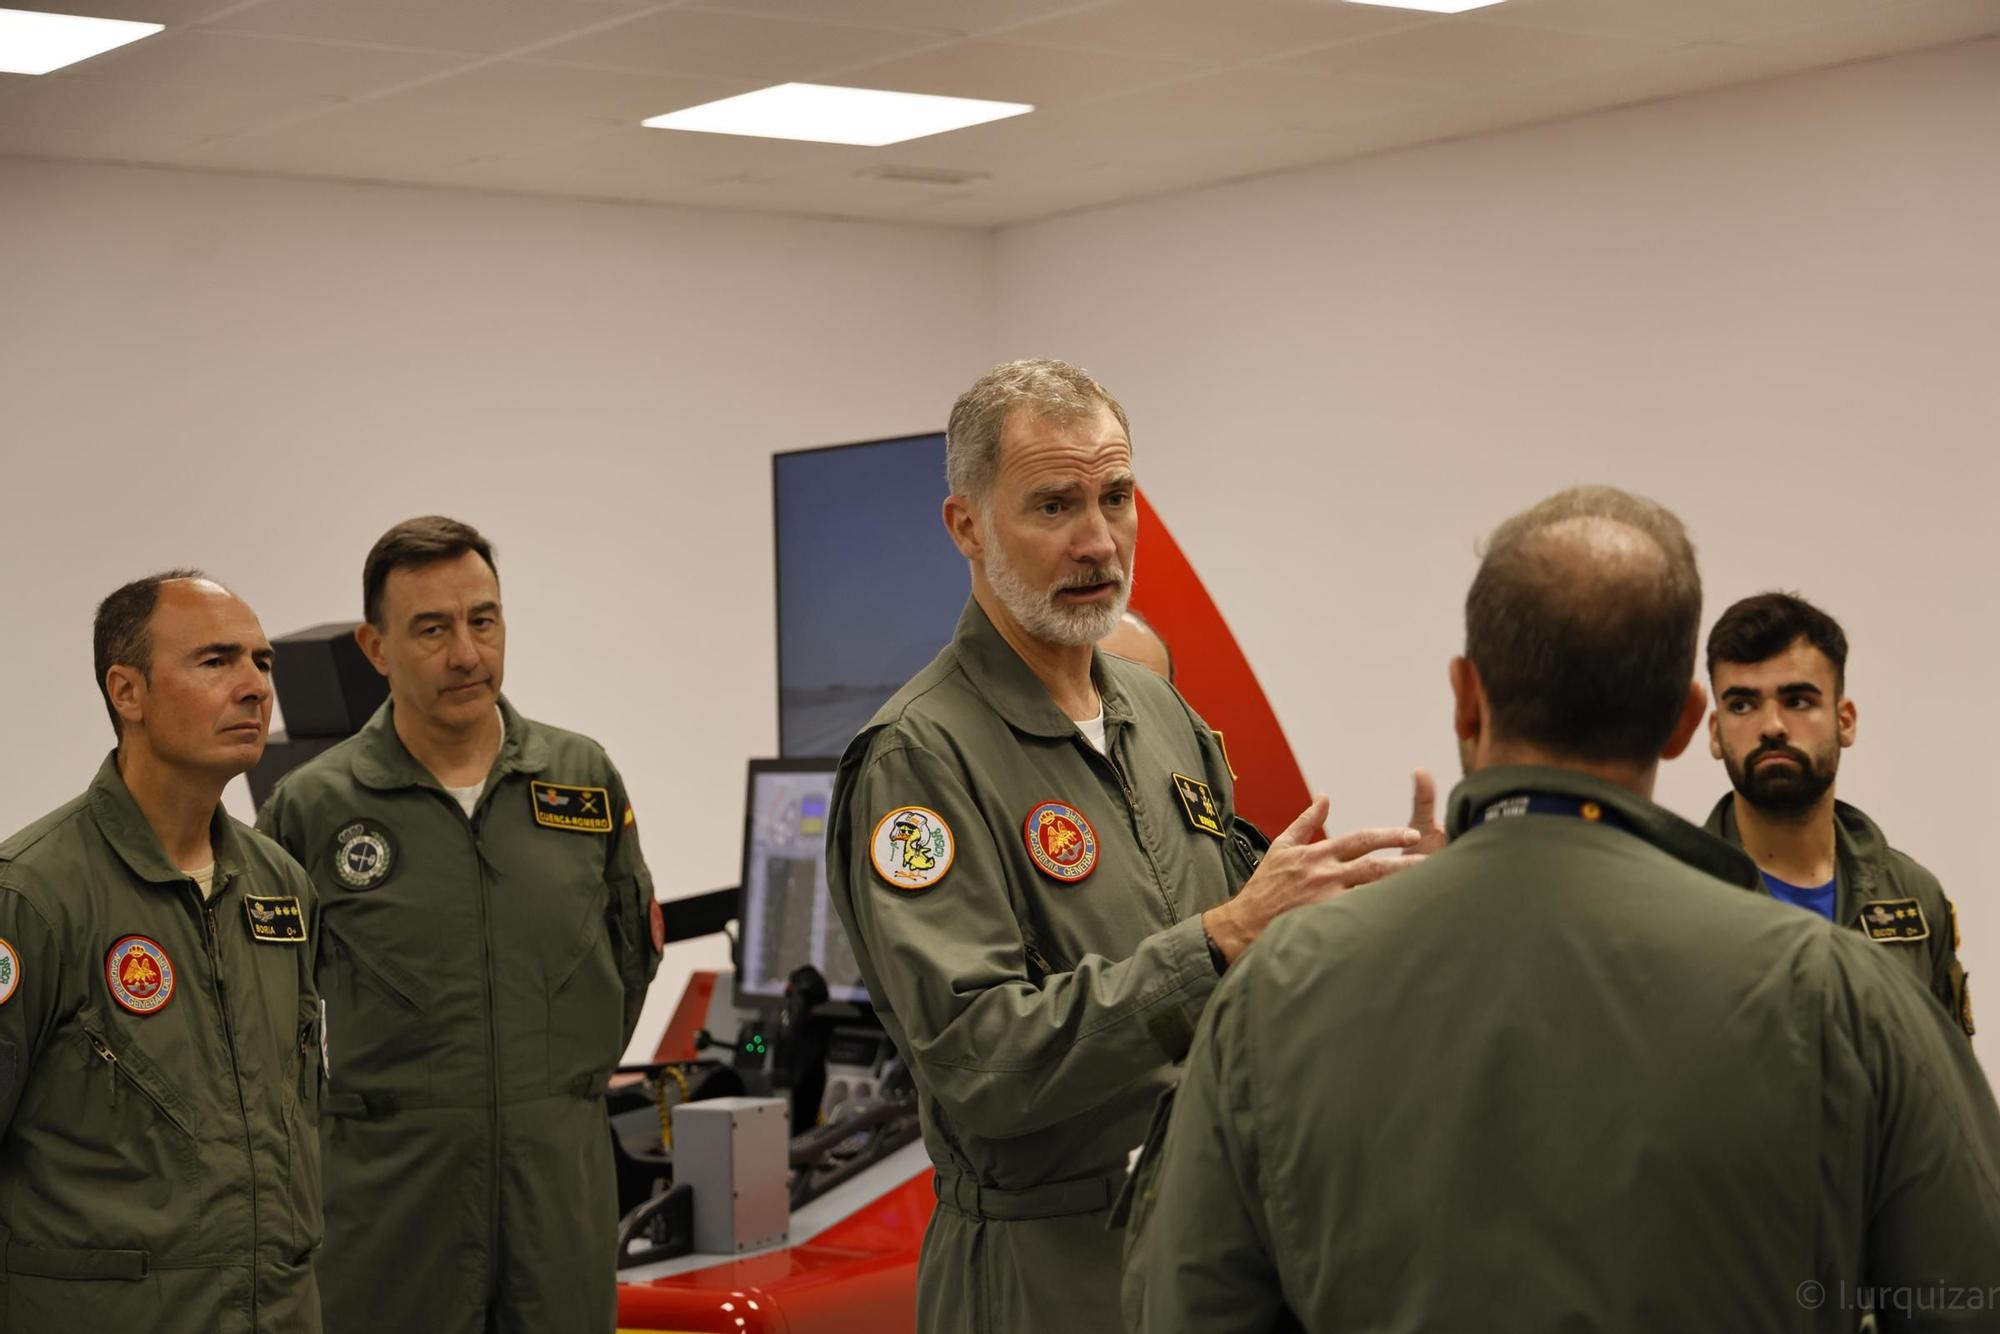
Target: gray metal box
735, 1153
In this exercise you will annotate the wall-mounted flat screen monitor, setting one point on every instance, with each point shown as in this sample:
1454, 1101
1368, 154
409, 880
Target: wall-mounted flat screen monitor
786, 916
869, 585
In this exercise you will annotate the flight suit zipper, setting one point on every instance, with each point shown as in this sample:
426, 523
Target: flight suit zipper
492, 1047
236, 1072
120, 1072
1132, 815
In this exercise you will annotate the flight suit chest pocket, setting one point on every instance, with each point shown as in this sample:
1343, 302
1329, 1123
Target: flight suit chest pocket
585, 994
130, 1130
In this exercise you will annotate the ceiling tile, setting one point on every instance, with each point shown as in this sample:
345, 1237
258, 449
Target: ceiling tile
200, 62
375, 137
483, 27
526, 87
1215, 33
1684, 20
173, 13
1906, 27
1002, 71
1467, 54
735, 46
949, 17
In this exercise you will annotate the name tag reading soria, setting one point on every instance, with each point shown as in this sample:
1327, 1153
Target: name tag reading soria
583, 810
280, 920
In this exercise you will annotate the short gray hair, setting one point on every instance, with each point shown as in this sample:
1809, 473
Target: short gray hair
1050, 390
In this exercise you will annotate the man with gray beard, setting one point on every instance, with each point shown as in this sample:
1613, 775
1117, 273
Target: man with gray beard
1036, 856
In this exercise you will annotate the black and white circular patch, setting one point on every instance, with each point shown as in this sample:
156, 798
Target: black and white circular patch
363, 855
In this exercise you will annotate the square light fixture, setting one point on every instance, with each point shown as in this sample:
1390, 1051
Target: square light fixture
823, 114
32, 42
1429, 6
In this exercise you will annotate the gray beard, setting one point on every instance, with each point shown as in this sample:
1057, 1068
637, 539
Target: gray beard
1041, 615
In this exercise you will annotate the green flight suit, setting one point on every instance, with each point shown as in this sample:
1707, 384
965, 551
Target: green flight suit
1040, 1002
159, 1080
1563, 1077
1874, 879
482, 977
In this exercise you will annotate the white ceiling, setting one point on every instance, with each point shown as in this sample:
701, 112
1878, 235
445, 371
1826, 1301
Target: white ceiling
1135, 97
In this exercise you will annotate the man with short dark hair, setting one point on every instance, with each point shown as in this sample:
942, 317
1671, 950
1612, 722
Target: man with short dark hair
1778, 668
159, 1054
1037, 860
490, 932
1566, 1074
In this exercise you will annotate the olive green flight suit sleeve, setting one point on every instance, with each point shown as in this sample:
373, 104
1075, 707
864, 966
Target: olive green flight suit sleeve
1006, 1053
30, 1013
1935, 1221
1947, 973
631, 906
1199, 1250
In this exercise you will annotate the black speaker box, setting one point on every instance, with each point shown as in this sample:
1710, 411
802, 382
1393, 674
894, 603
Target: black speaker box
281, 756
326, 688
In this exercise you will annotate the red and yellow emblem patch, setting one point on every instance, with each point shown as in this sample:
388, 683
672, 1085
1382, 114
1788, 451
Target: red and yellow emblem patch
140, 974
1061, 841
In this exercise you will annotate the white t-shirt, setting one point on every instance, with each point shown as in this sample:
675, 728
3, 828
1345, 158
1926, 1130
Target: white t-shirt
1093, 729
205, 879
468, 797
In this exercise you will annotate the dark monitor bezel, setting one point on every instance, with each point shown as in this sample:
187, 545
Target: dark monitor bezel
795, 764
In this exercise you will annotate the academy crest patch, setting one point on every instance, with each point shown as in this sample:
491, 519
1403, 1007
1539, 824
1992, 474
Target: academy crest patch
1202, 811
1895, 920
1061, 842
912, 848
363, 855
275, 919
140, 975
10, 971
581, 810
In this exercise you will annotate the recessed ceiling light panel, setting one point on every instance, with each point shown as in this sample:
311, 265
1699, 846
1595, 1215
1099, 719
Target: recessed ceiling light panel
1429, 6
822, 114
35, 43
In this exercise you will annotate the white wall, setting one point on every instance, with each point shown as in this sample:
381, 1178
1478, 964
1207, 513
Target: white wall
259, 376
1772, 308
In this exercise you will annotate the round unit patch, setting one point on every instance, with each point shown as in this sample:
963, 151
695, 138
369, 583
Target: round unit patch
1061, 841
10, 971
363, 856
140, 974
913, 847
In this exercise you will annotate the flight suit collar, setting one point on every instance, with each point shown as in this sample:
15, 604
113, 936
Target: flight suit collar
385, 764
1633, 813
125, 828
1857, 846
1011, 687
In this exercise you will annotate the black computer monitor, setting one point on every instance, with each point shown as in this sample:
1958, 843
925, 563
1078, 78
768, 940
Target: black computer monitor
787, 916
869, 583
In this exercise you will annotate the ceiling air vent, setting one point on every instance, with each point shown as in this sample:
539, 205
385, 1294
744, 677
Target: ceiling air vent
927, 175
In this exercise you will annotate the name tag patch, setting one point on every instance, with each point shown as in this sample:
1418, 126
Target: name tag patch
1200, 805
581, 810
1895, 920
275, 919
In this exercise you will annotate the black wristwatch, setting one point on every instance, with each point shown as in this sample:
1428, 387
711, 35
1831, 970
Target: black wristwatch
1215, 955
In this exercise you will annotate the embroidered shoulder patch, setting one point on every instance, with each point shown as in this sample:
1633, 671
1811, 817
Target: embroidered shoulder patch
1061, 842
1199, 803
1895, 920
10, 971
581, 810
275, 919
140, 974
912, 848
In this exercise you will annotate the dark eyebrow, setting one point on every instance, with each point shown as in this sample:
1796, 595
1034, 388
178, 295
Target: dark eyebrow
1798, 688
429, 618
482, 608
219, 650
1741, 692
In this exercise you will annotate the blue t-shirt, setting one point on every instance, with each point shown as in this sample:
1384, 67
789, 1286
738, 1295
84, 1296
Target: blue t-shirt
1818, 898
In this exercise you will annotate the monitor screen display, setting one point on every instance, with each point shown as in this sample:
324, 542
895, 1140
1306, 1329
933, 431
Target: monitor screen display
869, 584
786, 916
